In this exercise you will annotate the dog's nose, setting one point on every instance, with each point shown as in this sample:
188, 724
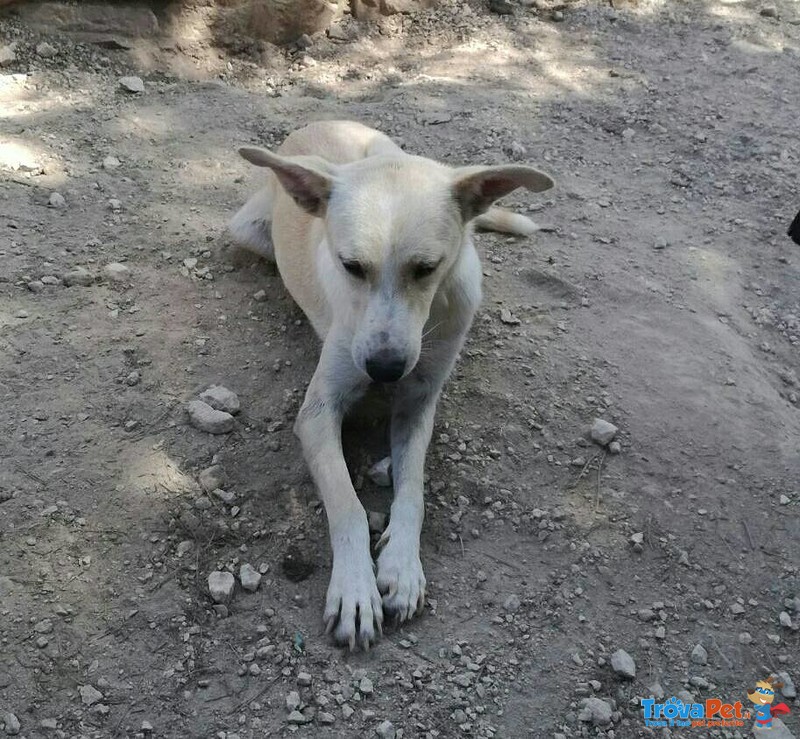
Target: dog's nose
385, 367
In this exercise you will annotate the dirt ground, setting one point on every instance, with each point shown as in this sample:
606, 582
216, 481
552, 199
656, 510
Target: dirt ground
665, 298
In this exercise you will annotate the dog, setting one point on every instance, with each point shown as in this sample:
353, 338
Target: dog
375, 246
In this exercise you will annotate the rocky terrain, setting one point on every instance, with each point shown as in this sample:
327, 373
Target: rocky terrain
158, 580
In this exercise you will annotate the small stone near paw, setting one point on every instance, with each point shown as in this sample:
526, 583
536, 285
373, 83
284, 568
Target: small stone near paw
377, 521
381, 473
205, 418
221, 399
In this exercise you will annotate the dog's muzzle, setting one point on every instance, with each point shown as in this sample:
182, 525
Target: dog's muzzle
385, 366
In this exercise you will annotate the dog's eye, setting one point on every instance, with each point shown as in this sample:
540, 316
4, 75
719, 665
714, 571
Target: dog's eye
422, 270
356, 269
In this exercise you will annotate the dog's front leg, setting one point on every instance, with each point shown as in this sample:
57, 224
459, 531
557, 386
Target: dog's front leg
401, 579
353, 608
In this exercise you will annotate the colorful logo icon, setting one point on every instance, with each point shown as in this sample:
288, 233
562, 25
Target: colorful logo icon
762, 697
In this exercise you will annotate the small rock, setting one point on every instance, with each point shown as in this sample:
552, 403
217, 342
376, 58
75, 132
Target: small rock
111, 162
788, 690
515, 150
221, 585
184, 548
78, 276
212, 478
254, 669
221, 399
615, 447
769, 11
249, 578
293, 700
133, 85
381, 473
295, 717
206, 418
326, 719
49, 724
512, 603
785, 500
147, 727
260, 296
377, 521
622, 663
133, 378
501, 7
8, 56
116, 272
35, 286
386, 730
595, 711
12, 725
558, 16
785, 619
56, 200
507, 317
637, 541
89, 695
46, 50
745, 638
304, 680
228, 497
365, 686
699, 655
45, 626
603, 432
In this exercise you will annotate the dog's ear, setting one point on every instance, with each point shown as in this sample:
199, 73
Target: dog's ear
476, 188
308, 180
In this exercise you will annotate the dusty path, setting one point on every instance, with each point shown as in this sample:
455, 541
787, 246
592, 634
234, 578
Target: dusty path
667, 300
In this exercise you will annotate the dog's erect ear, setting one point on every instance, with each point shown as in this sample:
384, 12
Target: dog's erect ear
308, 180
476, 188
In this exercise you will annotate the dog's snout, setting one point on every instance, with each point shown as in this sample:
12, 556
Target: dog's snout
385, 367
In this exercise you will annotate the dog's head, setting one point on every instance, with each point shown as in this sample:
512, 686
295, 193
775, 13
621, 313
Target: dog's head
395, 227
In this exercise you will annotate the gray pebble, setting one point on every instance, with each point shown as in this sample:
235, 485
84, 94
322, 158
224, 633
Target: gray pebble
512, 603
221, 399
595, 711
8, 56
249, 578
57, 200
206, 418
381, 473
603, 432
78, 276
699, 655
212, 478
46, 50
221, 586
116, 272
90, 695
132, 84
622, 663
386, 730
12, 725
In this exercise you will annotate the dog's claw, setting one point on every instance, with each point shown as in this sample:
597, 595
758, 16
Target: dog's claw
353, 610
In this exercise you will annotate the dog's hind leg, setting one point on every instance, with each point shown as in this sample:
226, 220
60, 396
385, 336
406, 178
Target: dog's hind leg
504, 221
252, 225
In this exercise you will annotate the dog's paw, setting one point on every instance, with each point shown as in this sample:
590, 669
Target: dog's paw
353, 609
400, 578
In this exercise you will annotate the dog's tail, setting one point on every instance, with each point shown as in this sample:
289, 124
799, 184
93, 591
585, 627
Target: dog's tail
251, 226
504, 221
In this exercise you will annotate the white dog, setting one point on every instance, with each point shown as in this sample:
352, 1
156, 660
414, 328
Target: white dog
376, 247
